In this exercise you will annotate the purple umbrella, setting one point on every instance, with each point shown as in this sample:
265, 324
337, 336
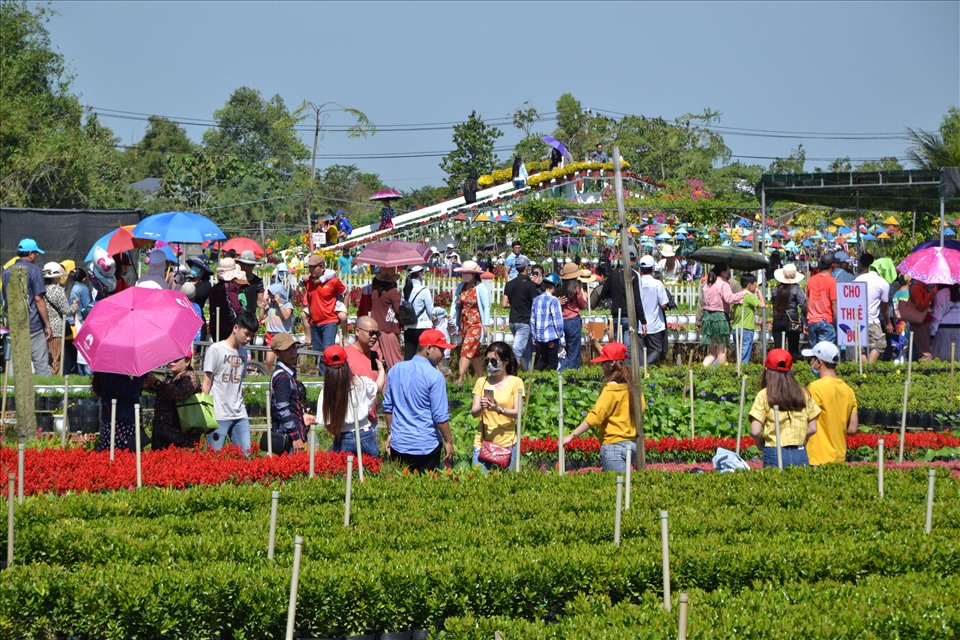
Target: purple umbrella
556, 144
386, 194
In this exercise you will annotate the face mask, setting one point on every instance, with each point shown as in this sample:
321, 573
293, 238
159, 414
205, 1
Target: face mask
494, 368
816, 372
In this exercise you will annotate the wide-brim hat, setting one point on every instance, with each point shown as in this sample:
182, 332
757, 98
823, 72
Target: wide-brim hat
53, 270
468, 266
586, 276
228, 270
248, 257
788, 274
667, 251
201, 262
569, 271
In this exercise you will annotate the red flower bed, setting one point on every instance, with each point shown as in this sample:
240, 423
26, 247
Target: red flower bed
60, 471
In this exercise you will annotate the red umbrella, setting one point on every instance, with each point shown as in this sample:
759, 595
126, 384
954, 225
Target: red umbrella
394, 253
117, 241
243, 244
386, 194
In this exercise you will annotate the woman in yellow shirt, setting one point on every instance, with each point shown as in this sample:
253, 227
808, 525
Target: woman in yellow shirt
798, 412
495, 403
612, 414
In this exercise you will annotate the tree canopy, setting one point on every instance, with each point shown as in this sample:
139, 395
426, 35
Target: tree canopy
474, 141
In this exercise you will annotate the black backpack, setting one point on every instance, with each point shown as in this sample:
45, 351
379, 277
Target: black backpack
408, 317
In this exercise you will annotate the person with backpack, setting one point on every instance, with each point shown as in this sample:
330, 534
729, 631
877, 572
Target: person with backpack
416, 310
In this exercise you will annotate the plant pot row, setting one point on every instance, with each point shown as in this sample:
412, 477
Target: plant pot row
418, 634
923, 420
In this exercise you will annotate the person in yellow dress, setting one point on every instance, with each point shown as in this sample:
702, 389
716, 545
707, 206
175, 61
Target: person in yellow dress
838, 407
495, 403
612, 414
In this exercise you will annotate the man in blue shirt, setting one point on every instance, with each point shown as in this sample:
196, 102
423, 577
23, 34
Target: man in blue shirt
599, 155
546, 325
511, 260
36, 290
416, 409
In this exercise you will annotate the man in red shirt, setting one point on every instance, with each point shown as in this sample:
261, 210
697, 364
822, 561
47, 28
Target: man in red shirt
822, 303
322, 288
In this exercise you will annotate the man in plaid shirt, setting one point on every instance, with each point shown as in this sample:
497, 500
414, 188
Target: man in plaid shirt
546, 326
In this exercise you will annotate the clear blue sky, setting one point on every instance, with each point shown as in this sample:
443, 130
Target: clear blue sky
828, 67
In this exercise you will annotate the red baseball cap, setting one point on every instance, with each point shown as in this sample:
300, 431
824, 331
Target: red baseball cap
778, 360
612, 351
434, 338
334, 355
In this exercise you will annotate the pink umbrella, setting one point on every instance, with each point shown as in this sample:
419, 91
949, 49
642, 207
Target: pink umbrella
138, 330
394, 253
386, 194
932, 265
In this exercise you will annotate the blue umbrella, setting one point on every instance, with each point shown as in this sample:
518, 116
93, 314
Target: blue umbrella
807, 243
178, 226
868, 236
556, 144
949, 232
664, 236
743, 243
845, 231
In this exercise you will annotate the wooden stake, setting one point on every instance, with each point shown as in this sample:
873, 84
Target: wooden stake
356, 431
693, 433
561, 450
516, 466
776, 424
269, 423
626, 499
953, 356
294, 585
10, 496
6, 378
63, 350
346, 502
20, 453
617, 512
218, 324
272, 539
113, 427
313, 450
665, 554
906, 393
931, 478
645, 373
743, 394
136, 440
682, 630
880, 467
66, 410
856, 337
619, 329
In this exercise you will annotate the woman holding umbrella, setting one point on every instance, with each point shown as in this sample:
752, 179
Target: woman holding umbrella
386, 212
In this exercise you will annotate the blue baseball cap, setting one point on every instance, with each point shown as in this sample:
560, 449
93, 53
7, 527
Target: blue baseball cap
27, 245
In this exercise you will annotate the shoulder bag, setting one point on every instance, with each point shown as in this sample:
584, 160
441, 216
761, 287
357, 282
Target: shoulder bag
491, 453
196, 414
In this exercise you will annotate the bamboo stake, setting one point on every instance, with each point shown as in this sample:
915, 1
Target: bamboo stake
346, 502
136, 440
617, 512
682, 629
743, 393
739, 333
269, 423
856, 337
619, 329
66, 412
906, 393
516, 466
880, 467
272, 539
645, 373
665, 554
6, 378
776, 423
20, 453
626, 500
562, 463
953, 358
218, 324
692, 428
931, 478
113, 427
294, 585
356, 431
10, 491
313, 450
63, 346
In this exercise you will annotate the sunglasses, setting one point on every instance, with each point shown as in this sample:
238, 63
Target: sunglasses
493, 361
375, 334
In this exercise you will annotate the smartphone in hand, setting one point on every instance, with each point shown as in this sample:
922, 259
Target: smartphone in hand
374, 356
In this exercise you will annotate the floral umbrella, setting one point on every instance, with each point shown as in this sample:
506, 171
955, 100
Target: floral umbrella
932, 265
386, 194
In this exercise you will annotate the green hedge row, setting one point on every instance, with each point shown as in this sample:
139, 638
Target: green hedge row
192, 564
919, 605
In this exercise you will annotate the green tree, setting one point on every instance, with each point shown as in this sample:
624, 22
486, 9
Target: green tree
791, 164
346, 187
883, 164
935, 150
48, 156
530, 147
255, 130
840, 165
148, 158
474, 141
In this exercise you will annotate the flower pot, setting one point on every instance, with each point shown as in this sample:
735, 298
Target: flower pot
672, 337
692, 336
890, 418
921, 420
395, 635
419, 634
867, 416
45, 423
58, 424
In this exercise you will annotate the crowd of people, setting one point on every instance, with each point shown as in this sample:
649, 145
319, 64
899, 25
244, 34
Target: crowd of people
398, 360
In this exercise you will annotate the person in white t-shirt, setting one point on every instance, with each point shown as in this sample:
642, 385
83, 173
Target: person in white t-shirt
224, 367
878, 312
653, 296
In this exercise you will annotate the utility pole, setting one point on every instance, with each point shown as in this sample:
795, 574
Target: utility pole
635, 350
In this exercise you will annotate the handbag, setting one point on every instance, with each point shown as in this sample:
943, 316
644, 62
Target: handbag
279, 441
196, 414
493, 453
909, 312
